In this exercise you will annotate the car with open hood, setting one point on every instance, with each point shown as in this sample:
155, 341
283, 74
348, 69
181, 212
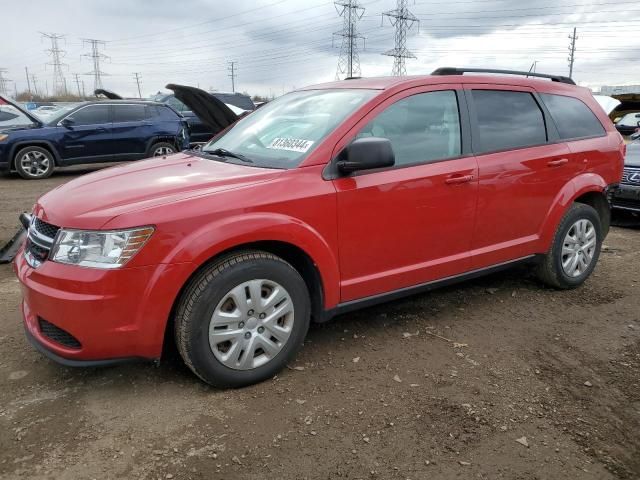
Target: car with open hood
627, 196
90, 132
328, 199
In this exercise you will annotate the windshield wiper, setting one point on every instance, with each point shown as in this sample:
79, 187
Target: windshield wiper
223, 152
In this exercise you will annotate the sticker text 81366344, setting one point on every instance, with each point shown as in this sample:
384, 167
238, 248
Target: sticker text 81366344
291, 144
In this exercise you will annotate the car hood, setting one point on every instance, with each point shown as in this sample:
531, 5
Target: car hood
92, 200
34, 119
632, 159
213, 112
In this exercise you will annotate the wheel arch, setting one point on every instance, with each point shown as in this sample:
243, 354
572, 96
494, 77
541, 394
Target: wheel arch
33, 143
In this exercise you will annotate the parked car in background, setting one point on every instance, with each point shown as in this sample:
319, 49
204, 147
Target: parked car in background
202, 132
627, 195
628, 123
325, 200
91, 132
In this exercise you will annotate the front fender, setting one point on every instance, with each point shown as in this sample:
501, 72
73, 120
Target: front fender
200, 246
576, 187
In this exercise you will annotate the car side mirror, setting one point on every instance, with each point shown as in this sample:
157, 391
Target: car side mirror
67, 122
366, 154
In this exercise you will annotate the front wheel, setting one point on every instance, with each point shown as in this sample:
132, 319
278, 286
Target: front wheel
575, 249
242, 319
34, 163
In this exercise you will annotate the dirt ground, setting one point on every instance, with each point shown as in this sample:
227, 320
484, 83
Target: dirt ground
494, 378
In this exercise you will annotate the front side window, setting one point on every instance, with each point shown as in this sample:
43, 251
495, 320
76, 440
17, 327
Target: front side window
422, 128
283, 132
91, 115
129, 113
507, 120
572, 117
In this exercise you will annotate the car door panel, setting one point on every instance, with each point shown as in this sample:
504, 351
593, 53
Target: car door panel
86, 141
406, 225
132, 128
516, 188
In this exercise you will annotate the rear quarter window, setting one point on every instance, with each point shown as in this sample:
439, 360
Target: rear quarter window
572, 117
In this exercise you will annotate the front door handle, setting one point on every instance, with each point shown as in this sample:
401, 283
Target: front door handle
458, 179
558, 163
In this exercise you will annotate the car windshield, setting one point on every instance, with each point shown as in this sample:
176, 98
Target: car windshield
283, 132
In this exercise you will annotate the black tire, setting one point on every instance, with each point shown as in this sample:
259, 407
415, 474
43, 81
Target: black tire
37, 172
207, 289
158, 146
550, 270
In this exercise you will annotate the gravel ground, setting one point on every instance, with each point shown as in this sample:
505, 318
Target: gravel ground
494, 378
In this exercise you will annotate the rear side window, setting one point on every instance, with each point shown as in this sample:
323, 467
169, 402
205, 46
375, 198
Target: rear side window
422, 128
177, 105
164, 113
507, 120
129, 113
572, 117
91, 115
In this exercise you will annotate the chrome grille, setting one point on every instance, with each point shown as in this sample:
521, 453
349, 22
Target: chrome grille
631, 176
40, 237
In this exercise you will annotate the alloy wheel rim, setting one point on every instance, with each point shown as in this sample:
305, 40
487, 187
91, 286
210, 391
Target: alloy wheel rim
160, 151
578, 248
35, 163
251, 324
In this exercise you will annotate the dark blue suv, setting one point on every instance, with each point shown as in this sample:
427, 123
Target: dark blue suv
90, 132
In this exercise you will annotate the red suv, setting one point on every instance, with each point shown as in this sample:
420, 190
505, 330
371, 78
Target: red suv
330, 198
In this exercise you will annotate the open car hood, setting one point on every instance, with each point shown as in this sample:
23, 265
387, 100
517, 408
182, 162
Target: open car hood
212, 112
107, 93
6, 101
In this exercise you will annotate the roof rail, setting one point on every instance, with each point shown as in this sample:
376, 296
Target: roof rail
460, 71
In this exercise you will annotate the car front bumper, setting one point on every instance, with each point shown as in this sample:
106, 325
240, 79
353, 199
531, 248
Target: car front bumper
626, 197
82, 316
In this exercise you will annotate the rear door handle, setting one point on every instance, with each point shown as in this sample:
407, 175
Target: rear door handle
458, 179
558, 163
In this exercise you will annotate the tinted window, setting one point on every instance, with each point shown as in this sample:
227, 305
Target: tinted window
129, 113
572, 117
91, 115
508, 120
177, 104
421, 128
164, 113
236, 99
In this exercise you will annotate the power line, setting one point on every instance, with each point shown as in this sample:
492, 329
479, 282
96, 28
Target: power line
402, 19
572, 51
232, 75
137, 75
349, 60
59, 85
96, 56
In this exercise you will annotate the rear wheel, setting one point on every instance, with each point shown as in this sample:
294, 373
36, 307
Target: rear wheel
242, 319
575, 250
161, 149
34, 163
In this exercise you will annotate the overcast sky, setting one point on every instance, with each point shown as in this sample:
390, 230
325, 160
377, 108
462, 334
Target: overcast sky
282, 44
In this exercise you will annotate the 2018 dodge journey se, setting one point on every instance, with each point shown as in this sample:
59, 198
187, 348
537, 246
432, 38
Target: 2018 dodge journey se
327, 199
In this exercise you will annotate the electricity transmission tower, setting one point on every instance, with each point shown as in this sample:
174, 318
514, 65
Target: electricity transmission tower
96, 56
402, 19
572, 51
232, 75
137, 75
349, 60
4, 82
59, 85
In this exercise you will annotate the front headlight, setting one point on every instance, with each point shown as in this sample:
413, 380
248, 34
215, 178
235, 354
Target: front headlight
99, 249
3, 137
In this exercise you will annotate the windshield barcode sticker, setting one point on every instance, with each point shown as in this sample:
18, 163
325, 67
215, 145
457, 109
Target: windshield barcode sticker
291, 144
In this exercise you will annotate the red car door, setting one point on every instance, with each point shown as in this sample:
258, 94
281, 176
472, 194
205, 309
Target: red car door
522, 168
411, 223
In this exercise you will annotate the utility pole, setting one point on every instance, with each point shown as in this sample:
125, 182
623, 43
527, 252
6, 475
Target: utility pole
59, 85
84, 92
35, 85
26, 71
349, 60
78, 84
532, 68
232, 74
95, 56
137, 74
4, 89
402, 19
572, 51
